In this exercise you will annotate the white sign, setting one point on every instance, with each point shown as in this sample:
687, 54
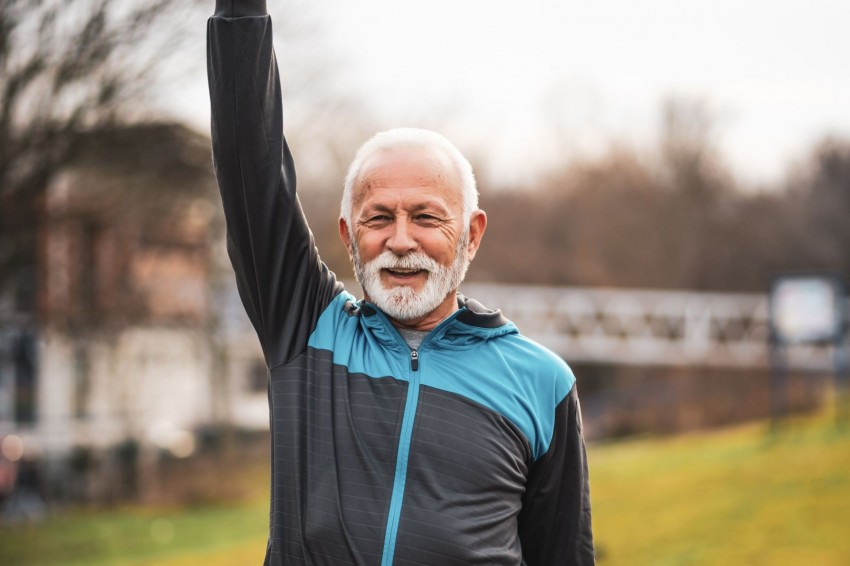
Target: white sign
806, 309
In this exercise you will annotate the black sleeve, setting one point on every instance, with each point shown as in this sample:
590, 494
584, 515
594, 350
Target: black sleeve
554, 523
282, 282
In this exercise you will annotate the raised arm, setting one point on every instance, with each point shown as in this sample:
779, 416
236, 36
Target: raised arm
282, 282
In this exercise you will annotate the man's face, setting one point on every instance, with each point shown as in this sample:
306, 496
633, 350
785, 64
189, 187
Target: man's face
408, 240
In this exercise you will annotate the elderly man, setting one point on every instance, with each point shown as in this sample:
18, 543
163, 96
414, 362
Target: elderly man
413, 427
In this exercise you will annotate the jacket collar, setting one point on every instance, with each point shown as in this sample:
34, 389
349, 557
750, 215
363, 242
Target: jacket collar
471, 324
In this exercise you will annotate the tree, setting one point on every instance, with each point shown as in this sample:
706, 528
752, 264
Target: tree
826, 188
68, 67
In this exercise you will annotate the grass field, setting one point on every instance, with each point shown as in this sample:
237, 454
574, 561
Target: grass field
740, 496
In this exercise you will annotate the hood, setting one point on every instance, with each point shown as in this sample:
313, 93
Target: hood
472, 323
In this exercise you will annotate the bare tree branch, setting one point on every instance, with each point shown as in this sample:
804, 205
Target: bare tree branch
68, 67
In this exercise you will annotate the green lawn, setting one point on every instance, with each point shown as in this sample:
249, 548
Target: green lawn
140, 536
739, 496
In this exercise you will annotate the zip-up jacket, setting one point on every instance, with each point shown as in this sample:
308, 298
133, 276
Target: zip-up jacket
467, 450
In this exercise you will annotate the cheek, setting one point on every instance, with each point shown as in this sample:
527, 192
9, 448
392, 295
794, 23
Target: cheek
368, 246
441, 249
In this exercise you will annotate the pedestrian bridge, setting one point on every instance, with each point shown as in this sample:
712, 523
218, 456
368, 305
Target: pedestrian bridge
647, 327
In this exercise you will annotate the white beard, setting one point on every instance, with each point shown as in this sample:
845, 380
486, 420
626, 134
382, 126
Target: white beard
404, 303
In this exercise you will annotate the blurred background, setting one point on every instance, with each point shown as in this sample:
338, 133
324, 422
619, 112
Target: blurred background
650, 171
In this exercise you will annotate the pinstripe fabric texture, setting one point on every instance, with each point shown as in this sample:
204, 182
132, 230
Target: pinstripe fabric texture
337, 414
334, 437
467, 450
466, 476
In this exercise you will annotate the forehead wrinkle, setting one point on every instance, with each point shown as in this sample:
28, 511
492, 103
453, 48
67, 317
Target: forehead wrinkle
441, 175
431, 183
374, 179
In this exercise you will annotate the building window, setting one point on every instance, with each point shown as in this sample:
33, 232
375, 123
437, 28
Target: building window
25, 377
82, 370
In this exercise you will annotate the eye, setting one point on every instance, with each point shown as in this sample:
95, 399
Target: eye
377, 219
426, 218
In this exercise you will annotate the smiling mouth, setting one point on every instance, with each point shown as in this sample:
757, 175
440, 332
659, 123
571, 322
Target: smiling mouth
400, 272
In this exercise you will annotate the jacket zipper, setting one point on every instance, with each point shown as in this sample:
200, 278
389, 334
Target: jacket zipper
403, 453
401, 461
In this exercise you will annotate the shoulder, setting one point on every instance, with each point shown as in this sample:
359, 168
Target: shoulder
531, 381
340, 316
544, 370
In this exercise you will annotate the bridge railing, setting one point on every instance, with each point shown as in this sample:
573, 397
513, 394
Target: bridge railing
647, 327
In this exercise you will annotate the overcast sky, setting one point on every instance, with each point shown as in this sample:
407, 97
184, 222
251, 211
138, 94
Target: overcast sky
524, 83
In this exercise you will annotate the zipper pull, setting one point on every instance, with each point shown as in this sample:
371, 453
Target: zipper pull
414, 360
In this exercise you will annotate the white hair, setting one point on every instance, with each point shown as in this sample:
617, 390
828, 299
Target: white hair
410, 138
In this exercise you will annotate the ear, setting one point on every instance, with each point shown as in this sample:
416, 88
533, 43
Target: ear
477, 226
345, 235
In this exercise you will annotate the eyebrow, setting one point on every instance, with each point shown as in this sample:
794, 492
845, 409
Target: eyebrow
380, 207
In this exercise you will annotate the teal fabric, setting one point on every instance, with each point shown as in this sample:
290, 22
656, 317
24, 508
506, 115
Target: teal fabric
494, 367
511, 375
401, 469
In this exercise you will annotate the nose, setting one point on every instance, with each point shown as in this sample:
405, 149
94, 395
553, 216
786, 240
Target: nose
401, 241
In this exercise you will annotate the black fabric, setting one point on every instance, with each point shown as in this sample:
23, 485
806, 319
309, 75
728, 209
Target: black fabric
555, 524
478, 315
335, 437
240, 8
282, 282
466, 475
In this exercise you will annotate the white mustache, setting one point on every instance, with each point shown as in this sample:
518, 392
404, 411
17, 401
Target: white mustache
402, 302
